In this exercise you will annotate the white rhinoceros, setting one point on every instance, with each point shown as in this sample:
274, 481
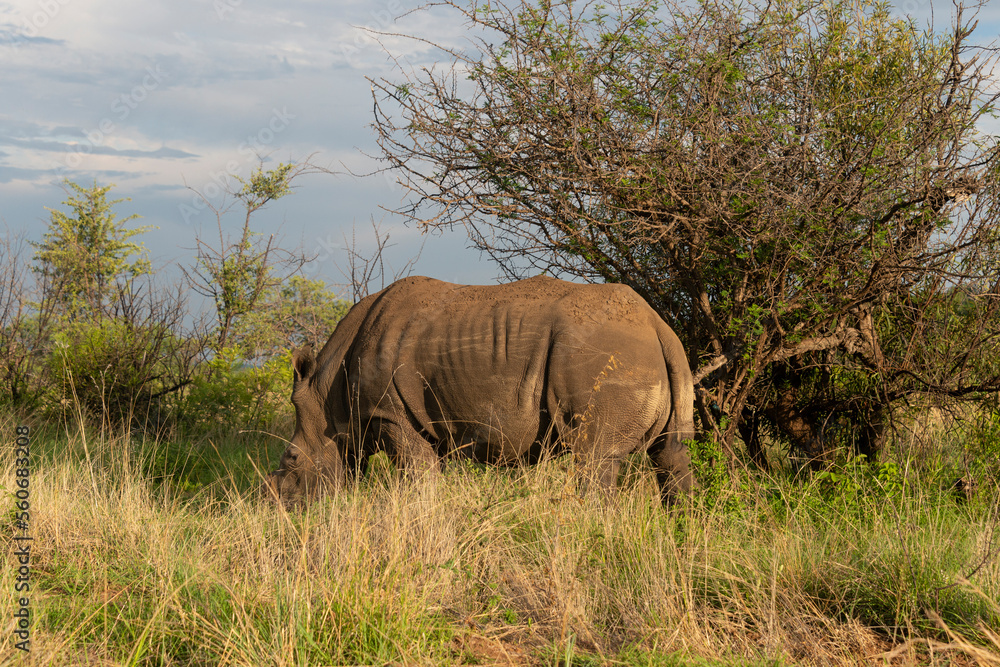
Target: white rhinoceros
425, 370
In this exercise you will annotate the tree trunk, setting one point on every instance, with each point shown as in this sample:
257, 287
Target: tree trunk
749, 428
798, 427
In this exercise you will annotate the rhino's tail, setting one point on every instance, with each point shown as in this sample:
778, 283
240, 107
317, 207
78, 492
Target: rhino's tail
680, 426
669, 453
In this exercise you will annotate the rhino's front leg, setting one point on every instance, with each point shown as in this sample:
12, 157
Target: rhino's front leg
407, 449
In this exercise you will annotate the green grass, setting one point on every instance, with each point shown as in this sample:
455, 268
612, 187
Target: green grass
157, 552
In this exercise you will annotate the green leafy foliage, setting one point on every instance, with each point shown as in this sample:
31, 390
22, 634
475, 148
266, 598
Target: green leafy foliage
230, 394
711, 470
239, 274
985, 445
299, 311
94, 338
265, 186
24, 383
85, 252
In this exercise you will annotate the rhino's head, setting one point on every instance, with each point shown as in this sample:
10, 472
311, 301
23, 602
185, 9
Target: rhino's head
312, 460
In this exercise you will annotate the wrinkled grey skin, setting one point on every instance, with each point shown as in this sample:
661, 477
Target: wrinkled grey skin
425, 370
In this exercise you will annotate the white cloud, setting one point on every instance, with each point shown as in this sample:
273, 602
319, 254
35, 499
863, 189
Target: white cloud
79, 102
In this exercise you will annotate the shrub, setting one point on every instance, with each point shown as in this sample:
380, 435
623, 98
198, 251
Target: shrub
231, 394
111, 368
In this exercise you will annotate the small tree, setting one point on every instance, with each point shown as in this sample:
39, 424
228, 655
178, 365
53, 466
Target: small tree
300, 311
238, 274
103, 337
119, 366
85, 253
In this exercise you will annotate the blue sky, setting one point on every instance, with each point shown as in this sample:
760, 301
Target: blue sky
158, 96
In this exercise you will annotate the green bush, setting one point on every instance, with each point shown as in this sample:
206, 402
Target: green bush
708, 463
982, 448
719, 489
231, 394
110, 368
298, 312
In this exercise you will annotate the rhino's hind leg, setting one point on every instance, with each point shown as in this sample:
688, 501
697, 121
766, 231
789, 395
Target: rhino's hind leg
602, 473
598, 451
673, 467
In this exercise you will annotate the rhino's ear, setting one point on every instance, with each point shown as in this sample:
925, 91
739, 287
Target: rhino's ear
303, 363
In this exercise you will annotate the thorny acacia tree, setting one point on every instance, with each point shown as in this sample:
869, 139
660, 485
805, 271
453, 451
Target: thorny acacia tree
802, 189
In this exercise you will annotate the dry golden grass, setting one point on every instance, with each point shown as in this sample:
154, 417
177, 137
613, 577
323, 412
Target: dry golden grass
485, 567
